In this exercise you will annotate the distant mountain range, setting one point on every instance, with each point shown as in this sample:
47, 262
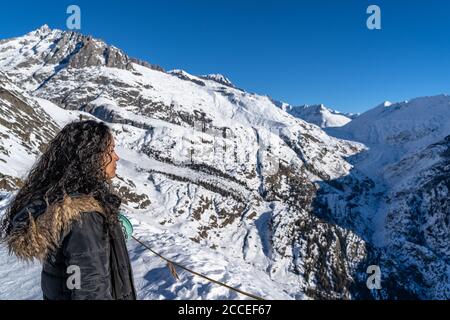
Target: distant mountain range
320, 115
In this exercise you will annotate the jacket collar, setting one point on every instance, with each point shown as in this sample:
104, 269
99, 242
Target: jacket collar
37, 228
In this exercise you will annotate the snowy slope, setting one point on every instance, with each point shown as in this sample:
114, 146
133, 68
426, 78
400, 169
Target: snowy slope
24, 130
153, 279
402, 193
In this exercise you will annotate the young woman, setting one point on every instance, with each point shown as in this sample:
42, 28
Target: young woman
66, 216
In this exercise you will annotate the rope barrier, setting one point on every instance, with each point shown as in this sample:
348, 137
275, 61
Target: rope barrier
172, 269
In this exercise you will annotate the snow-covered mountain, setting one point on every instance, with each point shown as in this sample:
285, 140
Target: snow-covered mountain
320, 115
217, 177
224, 181
404, 200
218, 78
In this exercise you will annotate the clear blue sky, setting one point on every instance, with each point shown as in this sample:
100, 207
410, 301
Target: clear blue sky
295, 51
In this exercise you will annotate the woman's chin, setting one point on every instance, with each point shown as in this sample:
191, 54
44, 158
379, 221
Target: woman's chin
110, 176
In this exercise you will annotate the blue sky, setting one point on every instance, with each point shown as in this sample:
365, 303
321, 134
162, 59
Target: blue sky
295, 51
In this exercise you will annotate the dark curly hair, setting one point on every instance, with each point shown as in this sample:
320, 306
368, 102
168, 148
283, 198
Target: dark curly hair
73, 163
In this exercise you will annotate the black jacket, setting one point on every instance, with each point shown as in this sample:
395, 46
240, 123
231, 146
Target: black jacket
82, 258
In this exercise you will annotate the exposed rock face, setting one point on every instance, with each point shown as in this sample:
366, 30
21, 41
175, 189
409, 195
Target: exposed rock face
25, 130
45, 52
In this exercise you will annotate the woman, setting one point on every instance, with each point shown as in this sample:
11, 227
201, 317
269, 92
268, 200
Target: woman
66, 215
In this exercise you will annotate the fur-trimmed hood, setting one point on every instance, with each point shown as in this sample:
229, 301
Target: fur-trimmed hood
37, 228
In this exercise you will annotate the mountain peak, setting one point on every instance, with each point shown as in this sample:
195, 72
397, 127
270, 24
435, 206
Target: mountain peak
319, 114
62, 50
220, 78
178, 72
44, 29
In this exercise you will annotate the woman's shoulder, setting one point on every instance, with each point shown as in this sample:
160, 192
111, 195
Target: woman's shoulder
81, 203
83, 210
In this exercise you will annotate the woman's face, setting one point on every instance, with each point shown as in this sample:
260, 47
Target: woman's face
111, 159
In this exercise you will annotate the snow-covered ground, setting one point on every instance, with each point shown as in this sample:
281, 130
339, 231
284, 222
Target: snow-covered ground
153, 280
